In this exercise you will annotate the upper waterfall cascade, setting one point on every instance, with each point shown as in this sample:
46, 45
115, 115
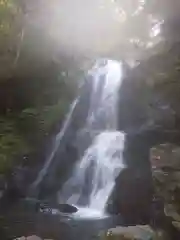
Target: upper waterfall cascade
94, 175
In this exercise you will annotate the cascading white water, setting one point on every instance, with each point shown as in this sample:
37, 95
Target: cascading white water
94, 175
102, 113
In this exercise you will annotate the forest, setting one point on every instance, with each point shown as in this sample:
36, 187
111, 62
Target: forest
46, 48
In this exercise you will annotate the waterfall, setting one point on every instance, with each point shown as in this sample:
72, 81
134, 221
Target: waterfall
94, 175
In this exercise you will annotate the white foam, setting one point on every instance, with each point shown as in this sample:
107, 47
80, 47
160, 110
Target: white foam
89, 213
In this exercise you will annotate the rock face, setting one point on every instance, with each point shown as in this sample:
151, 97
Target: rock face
131, 198
133, 233
66, 208
29, 238
150, 91
165, 161
148, 114
165, 156
63, 208
137, 232
68, 152
132, 195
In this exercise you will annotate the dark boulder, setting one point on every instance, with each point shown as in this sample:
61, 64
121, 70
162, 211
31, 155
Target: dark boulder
67, 208
133, 193
131, 197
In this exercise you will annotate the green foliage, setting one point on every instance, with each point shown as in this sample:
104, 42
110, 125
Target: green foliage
41, 121
51, 115
23, 131
11, 144
10, 29
8, 8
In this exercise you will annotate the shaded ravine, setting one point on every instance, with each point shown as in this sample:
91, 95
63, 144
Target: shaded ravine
85, 120
83, 168
89, 136
89, 155
59, 137
90, 130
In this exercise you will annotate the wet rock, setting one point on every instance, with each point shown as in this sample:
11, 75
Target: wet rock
176, 225
2, 182
29, 238
133, 205
21, 238
133, 192
166, 156
3, 185
63, 208
171, 211
33, 238
67, 208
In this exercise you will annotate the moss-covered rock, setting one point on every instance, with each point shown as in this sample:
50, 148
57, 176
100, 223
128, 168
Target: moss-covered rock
165, 161
12, 144
133, 233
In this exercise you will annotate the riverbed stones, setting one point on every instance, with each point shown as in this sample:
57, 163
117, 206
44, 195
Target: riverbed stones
130, 233
31, 238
